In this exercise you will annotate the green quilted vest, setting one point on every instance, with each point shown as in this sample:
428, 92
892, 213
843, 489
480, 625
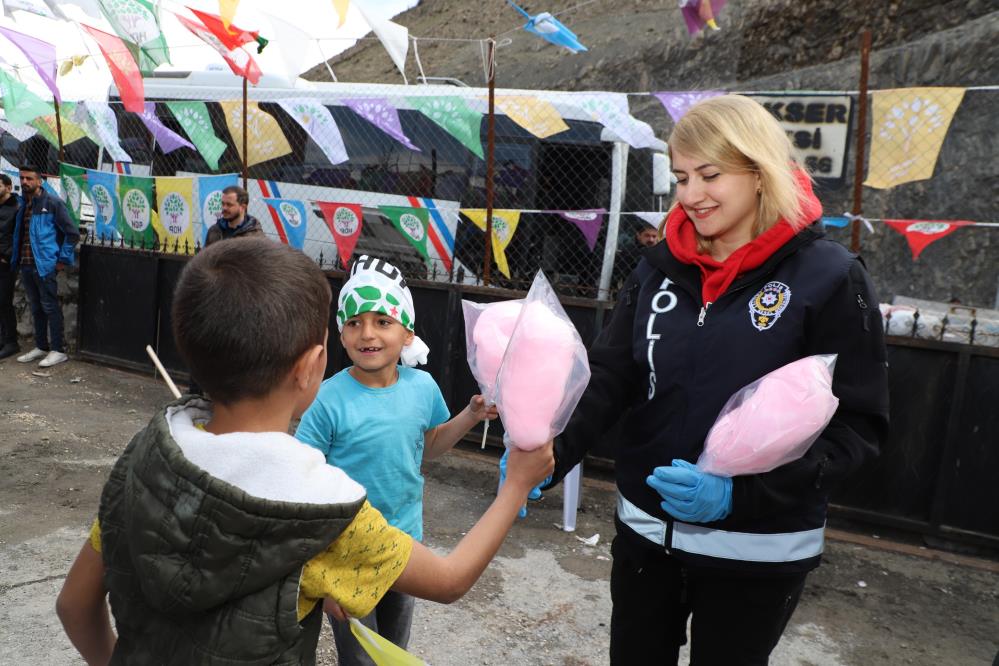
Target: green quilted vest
198, 571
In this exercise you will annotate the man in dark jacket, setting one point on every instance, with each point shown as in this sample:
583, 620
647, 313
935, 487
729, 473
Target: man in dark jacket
8, 319
44, 243
234, 222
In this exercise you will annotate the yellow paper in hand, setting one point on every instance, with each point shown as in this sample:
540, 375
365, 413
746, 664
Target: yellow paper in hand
382, 651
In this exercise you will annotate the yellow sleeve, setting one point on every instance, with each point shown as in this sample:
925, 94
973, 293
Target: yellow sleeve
359, 567
95, 535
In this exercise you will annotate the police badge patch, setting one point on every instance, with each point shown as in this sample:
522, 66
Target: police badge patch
767, 305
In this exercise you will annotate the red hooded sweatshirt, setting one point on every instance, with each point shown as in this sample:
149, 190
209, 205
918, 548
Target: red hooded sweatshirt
716, 276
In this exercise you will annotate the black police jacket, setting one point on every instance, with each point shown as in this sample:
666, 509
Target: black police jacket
668, 366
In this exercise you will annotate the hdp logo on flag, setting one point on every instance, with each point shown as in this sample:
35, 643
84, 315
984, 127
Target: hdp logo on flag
920, 233
344, 222
103, 188
292, 218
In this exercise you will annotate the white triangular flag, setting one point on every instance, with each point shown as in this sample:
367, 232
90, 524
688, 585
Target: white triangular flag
394, 37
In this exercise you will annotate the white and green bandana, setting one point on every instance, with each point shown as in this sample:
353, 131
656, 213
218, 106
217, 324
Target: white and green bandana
375, 285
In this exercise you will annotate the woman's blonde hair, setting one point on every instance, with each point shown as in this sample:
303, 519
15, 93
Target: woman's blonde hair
738, 135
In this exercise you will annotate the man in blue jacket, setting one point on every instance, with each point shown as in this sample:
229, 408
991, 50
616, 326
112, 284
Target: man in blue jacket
44, 243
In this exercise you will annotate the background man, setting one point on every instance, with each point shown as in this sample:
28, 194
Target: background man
234, 222
44, 243
8, 319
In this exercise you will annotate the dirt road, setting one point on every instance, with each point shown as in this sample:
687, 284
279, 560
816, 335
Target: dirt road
544, 600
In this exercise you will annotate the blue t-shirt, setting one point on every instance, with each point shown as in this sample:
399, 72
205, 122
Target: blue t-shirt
375, 435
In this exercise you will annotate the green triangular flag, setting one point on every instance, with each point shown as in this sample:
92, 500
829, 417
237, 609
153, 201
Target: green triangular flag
455, 116
74, 182
135, 201
197, 124
411, 223
20, 105
137, 22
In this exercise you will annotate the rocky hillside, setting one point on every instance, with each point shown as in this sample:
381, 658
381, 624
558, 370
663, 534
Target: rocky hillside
642, 45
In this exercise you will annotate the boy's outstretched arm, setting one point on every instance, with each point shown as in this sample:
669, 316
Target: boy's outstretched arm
448, 578
82, 608
438, 441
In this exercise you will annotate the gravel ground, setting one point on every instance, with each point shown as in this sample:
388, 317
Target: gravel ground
545, 598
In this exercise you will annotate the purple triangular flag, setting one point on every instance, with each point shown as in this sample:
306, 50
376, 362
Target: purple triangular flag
166, 139
380, 113
41, 55
678, 103
692, 16
588, 222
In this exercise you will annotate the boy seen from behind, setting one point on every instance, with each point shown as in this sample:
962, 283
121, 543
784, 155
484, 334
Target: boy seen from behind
379, 421
218, 534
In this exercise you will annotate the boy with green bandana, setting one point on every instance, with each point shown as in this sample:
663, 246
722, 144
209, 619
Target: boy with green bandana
219, 536
379, 421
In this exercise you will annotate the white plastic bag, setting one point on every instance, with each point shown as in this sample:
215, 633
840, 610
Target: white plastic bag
772, 421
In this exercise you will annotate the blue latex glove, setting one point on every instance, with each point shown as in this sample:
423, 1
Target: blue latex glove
535, 493
691, 495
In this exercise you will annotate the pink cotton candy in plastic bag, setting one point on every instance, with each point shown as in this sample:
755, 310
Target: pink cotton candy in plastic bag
772, 421
528, 360
488, 329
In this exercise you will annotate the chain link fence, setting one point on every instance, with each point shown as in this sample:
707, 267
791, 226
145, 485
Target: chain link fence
562, 178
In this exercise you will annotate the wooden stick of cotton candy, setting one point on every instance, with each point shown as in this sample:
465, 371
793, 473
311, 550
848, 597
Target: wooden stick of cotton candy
163, 372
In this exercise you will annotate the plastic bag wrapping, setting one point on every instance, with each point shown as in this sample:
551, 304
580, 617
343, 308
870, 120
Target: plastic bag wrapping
488, 327
529, 361
772, 421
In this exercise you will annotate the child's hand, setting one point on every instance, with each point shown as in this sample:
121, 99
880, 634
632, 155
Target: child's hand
528, 469
480, 410
333, 608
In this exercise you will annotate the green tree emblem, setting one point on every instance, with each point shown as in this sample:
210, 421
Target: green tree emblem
136, 207
412, 226
103, 201
175, 214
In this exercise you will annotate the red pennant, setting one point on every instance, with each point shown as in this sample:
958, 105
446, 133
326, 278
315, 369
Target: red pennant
232, 37
920, 233
344, 222
239, 61
124, 70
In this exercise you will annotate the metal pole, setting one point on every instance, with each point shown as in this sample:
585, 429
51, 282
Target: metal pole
619, 171
858, 175
246, 154
490, 154
58, 116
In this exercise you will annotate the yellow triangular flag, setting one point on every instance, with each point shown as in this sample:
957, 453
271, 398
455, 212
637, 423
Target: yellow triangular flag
341, 7
264, 137
382, 651
537, 116
504, 227
174, 217
907, 129
227, 11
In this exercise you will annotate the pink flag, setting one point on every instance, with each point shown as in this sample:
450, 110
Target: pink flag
588, 221
920, 233
124, 70
677, 103
344, 222
42, 56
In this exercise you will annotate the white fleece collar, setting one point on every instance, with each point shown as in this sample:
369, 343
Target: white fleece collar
268, 465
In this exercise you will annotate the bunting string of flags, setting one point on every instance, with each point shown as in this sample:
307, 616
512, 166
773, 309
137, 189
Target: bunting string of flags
146, 211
